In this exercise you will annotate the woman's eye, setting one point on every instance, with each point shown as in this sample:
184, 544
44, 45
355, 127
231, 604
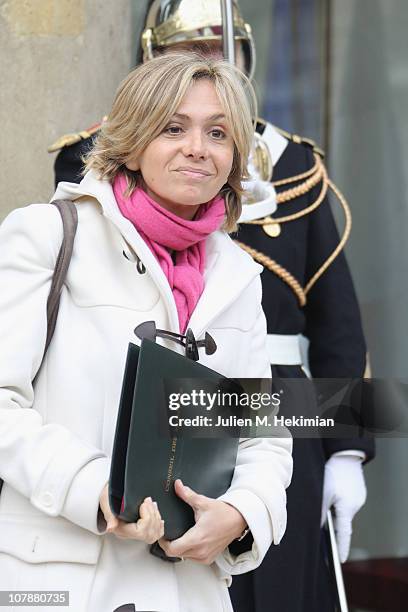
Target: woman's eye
218, 134
173, 130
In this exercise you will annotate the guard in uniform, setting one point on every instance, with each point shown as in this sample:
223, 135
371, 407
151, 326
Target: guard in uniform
307, 294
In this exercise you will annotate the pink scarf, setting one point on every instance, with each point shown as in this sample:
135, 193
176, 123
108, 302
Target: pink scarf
164, 231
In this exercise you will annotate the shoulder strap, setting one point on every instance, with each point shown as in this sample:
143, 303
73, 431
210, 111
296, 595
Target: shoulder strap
69, 216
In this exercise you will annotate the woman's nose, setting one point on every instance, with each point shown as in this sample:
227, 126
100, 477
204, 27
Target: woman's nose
194, 145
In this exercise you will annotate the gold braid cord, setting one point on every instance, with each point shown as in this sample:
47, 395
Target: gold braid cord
280, 271
290, 194
299, 177
311, 178
343, 240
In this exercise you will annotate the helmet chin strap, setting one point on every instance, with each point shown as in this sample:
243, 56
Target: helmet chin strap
146, 41
228, 40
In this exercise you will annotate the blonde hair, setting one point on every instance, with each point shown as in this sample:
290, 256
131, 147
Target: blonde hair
147, 99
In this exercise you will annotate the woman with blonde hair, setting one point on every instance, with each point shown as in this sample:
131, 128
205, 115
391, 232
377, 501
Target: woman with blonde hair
162, 188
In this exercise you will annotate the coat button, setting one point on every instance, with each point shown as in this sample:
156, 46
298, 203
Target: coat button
47, 499
135, 259
140, 267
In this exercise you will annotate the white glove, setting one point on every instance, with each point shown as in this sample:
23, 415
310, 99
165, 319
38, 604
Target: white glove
344, 488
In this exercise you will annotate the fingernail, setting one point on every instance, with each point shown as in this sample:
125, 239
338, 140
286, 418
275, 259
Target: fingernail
155, 505
148, 499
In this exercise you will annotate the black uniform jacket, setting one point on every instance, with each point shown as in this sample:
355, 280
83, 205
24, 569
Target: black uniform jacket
295, 577
331, 317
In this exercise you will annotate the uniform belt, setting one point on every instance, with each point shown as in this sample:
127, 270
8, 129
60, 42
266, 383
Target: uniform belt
284, 349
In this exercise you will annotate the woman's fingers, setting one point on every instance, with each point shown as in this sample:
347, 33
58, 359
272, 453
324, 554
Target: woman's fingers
148, 525
149, 528
155, 526
156, 512
146, 508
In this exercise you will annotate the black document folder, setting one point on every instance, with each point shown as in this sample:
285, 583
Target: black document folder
149, 455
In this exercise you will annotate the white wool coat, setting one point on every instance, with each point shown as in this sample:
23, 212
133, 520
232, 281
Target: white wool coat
56, 438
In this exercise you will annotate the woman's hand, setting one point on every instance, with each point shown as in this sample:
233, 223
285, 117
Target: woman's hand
149, 528
217, 525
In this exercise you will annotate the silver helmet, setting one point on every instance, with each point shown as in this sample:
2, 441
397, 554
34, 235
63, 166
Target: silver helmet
171, 22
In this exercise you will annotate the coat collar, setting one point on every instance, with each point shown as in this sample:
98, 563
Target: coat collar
225, 260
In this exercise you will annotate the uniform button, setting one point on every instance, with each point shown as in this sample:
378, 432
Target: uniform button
47, 499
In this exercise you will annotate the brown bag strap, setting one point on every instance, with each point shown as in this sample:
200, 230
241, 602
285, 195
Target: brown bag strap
69, 216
